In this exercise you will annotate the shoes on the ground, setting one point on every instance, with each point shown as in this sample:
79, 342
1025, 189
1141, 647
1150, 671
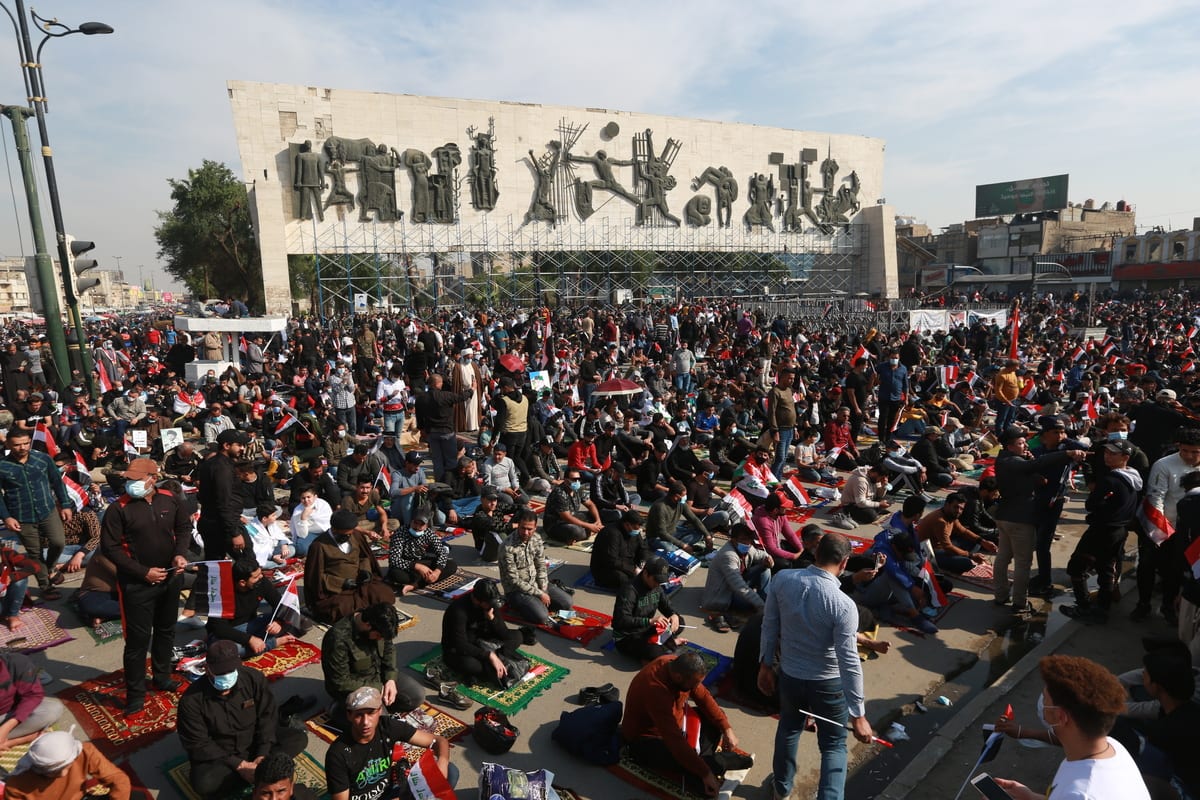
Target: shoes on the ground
436, 675
528, 637
1086, 613
448, 693
57, 578
1140, 612
730, 760
166, 684
925, 625
134, 705
719, 623
843, 521
51, 594
1045, 592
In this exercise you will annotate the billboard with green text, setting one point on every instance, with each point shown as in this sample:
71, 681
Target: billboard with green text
1019, 197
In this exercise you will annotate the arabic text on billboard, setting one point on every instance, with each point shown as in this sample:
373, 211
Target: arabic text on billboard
1018, 197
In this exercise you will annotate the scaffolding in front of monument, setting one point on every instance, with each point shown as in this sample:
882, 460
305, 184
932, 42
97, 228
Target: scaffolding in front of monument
364, 266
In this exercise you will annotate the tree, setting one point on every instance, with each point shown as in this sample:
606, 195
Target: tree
207, 239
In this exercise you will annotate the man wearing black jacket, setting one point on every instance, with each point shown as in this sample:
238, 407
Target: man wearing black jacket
652, 477
145, 533
435, 419
470, 621
220, 524
251, 631
1110, 506
619, 551
609, 494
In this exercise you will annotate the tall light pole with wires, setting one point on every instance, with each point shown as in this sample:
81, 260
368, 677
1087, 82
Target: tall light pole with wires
31, 68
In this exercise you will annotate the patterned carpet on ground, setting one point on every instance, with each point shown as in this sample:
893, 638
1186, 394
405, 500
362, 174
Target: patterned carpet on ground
667, 785
449, 588
587, 582
39, 631
309, 772
583, 627
981, 575
544, 674
105, 632
717, 665
99, 704
425, 718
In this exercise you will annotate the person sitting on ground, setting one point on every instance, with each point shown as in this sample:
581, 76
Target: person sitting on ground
898, 594
645, 625
1081, 701
653, 725
564, 520
490, 526
267, 542
811, 466
682, 462
652, 476
703, 496
60, 767
228, 723
409, 489
275, 779
359, 650
96, 597
343, 575
545, 473
778, 538
252, 487
609, 494
810, 537
672, 525
466, 489
24, 706
254, 631
523, 576
977, 512
366, 504
737, 580
862, 496
619, 551
316, 475
582, 456
956, 548
417, 556
501, 472
903, 470
474, 636
310, 519
940, 471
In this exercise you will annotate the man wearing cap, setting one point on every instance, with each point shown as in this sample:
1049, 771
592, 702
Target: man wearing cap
228, 723
359, 763
342, 575
34, 503
523, 575
146, 533
1110, 509
1018, 475
474, 635
417, 556
359, 465
1050, 498
410, 488
220, 523
645, 625
359, 650
435, 419
490, 525
61, 767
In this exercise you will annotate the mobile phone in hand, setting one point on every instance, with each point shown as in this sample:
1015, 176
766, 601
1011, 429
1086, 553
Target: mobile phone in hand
988, 787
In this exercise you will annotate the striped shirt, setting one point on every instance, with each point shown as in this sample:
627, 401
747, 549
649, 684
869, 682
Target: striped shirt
27, 491
822, 628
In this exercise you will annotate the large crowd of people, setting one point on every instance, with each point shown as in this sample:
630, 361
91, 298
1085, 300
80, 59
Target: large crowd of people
662, 434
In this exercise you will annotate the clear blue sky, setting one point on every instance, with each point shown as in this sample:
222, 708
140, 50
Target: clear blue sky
962, 93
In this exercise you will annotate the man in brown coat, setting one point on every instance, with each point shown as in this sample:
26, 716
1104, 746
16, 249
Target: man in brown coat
341, 573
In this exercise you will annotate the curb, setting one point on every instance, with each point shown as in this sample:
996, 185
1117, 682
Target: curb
913, 775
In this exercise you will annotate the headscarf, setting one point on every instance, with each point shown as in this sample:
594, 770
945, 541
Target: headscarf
50, 753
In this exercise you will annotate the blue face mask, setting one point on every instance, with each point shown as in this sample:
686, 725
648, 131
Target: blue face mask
136, 489
635, 532
683, 500
575, 485
223, 683
742, 549
417, 533
1118, 435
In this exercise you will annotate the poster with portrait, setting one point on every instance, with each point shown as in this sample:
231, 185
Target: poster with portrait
171, 438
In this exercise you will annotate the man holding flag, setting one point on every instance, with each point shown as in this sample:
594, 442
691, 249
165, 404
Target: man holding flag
252, 628
145, 533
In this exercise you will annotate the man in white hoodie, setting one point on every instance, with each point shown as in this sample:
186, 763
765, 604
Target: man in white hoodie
1110, 506
1163, 493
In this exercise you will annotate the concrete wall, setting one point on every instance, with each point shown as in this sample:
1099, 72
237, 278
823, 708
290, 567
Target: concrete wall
271, 118
882, 275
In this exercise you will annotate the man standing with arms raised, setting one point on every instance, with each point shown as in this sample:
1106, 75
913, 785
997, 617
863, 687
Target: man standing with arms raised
809, 651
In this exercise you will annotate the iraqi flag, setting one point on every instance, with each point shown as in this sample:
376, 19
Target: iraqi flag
75, 492
1090, 408
287, 421
130, 449
105, 382
242, 346
948, 375
288, 610
214, 590
1154, 522
80, 464
384, 476
42, 434
1078, 353
1029, 390
1192, 554
861, 352
796, 490
739, 504
937, 598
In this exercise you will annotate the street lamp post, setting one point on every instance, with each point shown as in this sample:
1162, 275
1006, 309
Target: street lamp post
32, 71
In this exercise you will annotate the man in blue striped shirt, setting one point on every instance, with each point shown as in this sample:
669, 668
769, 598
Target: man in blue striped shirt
815, 665
30, 484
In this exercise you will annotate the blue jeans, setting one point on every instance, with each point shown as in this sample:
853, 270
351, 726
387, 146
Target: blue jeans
1005, 415
757, 578
255, 627
10, 604
824, 697
302, 543
393, 421
465, 506
781, 450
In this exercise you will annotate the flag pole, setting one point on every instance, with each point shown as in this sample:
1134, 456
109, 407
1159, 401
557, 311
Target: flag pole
280, 603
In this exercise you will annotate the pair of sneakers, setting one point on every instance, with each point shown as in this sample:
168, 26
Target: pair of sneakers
844, 521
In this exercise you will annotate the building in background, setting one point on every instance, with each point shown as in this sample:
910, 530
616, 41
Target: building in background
1158, 259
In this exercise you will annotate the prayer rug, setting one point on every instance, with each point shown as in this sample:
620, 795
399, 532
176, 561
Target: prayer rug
281, 576
981, 575
582, 547
716, 665
449, 588
274, 664
583, 626
542, 674
39, 631
105, 632
588, 582
309, 772
537, 506
99, 707
425, 717
668, 785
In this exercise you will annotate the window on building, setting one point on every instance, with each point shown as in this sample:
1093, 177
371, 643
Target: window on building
1154, 251
1130, 253
1179, 250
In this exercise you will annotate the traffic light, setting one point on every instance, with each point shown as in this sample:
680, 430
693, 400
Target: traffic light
80, 265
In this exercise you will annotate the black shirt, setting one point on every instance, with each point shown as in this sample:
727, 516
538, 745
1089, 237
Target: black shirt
219, 504
137, 534
365, 770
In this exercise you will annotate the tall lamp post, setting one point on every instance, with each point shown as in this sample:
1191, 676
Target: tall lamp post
32, 71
